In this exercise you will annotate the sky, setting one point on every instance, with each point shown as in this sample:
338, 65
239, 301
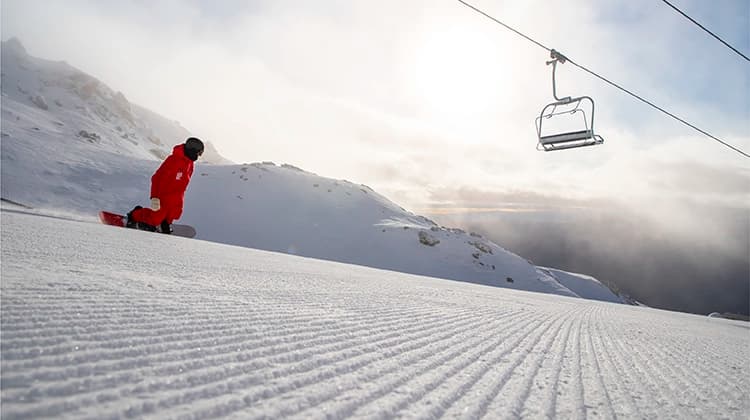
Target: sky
388, 91
432, 104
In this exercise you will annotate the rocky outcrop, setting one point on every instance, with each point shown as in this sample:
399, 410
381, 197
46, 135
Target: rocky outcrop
427, 239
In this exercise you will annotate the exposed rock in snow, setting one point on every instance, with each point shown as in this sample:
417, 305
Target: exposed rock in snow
427, 239
39, 101
92, 137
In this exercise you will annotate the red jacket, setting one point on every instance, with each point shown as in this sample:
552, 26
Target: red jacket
170, 181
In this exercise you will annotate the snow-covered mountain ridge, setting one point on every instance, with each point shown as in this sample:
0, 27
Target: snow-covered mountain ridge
69, 143
88, 110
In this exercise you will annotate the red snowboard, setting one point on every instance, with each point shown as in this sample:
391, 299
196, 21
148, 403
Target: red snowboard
114, 219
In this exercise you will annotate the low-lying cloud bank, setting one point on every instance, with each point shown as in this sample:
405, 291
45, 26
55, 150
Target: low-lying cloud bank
695, 260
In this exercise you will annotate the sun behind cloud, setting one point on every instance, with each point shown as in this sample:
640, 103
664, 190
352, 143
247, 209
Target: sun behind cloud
458, 72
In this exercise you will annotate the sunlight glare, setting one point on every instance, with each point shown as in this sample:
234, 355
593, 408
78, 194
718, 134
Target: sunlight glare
460, 72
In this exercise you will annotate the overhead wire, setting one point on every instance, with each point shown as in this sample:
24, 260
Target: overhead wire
539, 44
704, 28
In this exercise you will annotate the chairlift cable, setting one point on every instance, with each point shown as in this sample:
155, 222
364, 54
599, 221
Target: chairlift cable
704, 28
705, 133
501, 23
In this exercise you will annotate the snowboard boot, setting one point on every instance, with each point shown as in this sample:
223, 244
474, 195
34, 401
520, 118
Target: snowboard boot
145, 226
129, 222
166, 228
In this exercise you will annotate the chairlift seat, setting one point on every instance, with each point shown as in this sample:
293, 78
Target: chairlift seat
566, 137
570, 140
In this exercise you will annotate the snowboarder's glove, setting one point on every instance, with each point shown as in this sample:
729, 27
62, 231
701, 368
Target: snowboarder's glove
155, 204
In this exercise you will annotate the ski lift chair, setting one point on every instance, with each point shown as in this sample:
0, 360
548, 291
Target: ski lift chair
566, 106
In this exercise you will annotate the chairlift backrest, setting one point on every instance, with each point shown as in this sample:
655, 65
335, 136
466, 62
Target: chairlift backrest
580, 137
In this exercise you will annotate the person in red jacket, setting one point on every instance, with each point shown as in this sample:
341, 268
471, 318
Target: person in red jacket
168, 185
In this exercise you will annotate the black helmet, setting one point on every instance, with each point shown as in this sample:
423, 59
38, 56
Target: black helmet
193, 148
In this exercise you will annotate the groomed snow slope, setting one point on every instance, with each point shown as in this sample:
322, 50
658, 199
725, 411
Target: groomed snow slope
102, 322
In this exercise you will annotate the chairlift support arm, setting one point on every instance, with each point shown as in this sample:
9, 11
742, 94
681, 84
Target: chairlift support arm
557, 57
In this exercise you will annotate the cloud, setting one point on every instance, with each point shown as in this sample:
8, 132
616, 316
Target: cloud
703, 268
477, 198
704, 179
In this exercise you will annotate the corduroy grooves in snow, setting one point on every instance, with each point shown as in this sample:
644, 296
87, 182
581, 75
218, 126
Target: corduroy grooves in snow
102, 322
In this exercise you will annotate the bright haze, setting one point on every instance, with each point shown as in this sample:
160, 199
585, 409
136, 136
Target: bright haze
433, 105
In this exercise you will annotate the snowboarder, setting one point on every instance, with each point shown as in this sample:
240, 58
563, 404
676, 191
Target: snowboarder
168, 185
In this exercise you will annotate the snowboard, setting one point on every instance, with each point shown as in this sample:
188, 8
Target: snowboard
114, 219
